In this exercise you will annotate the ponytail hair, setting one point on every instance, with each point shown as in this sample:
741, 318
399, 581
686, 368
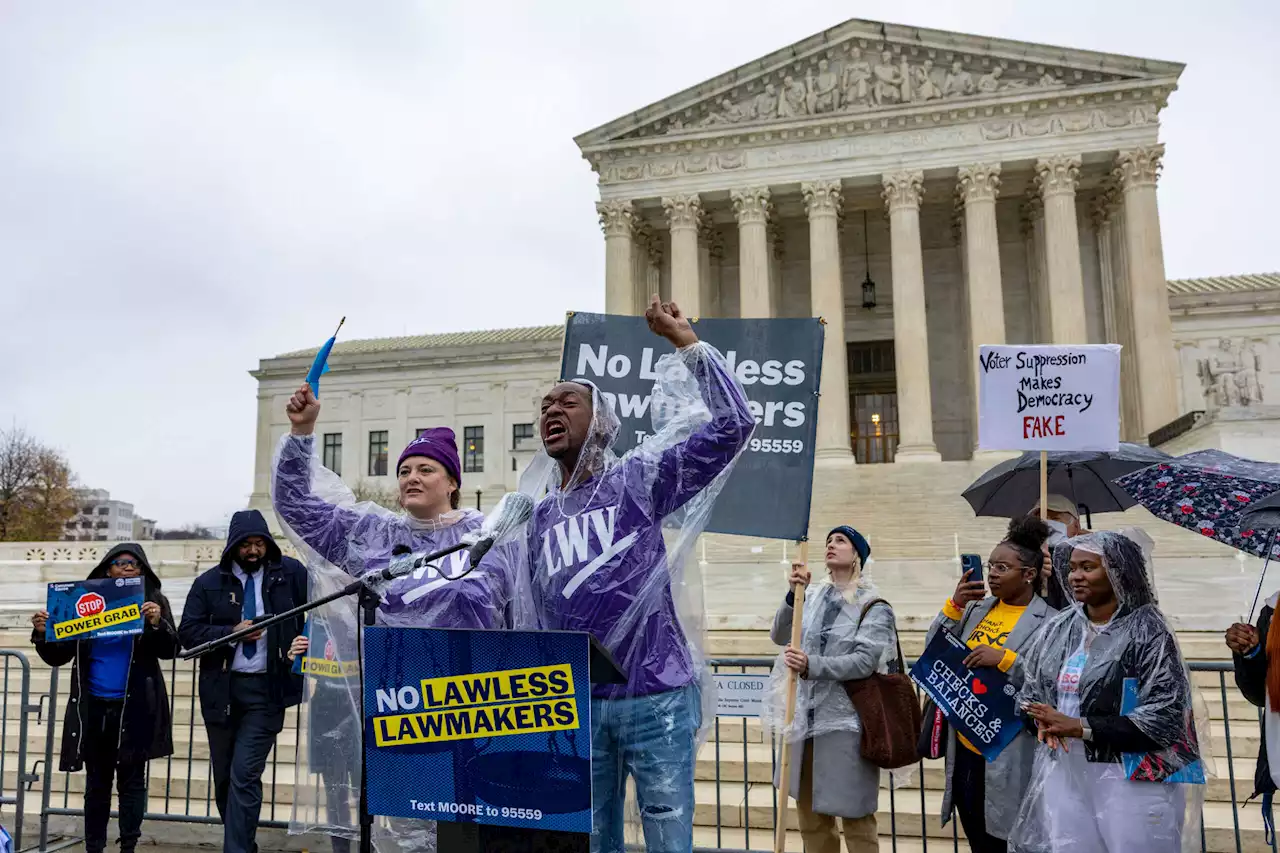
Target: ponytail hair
1027, 536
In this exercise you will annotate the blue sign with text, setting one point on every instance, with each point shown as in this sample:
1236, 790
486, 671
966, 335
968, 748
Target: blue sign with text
83, 610
490, 727
978, 703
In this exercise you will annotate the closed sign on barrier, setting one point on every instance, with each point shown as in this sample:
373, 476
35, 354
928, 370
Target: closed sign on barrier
741, 695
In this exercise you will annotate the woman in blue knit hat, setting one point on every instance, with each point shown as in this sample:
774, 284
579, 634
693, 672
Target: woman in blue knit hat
848, 634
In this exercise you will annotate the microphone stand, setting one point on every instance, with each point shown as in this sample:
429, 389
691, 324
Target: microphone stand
262, 622
369, 609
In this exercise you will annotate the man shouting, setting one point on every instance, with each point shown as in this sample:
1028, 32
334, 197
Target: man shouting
600, 564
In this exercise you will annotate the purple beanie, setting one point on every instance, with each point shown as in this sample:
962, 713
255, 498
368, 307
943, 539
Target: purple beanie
440, 444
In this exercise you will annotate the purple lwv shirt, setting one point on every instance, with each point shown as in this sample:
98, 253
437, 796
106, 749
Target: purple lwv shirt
358, 539
599, 559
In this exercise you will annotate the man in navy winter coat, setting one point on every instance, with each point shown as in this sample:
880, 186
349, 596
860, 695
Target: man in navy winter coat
245, 687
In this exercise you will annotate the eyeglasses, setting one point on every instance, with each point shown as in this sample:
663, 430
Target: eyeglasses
1002, 568
124, 564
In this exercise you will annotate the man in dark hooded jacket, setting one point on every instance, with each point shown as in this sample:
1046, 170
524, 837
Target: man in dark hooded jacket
244, 687
117, 715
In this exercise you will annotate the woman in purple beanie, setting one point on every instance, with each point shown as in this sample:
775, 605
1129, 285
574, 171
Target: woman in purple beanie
321, 515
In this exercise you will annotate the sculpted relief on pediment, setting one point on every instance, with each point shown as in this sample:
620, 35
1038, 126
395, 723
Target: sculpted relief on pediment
861, 77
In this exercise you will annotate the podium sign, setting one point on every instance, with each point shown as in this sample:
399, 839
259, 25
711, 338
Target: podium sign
488, 727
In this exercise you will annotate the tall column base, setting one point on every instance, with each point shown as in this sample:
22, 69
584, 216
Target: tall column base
918, 453
834, 457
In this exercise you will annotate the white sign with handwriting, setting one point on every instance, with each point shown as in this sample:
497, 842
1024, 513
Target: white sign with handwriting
1049, 397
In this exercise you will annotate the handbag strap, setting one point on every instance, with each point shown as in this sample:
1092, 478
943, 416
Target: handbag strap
902, 665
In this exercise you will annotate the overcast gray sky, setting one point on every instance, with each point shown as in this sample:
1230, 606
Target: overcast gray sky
188, 187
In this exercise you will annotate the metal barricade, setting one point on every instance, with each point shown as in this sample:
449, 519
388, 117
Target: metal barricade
180, 806
7, 722
906, 804
186, 794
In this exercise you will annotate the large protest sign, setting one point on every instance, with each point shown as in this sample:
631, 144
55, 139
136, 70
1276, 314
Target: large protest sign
83, 610
1049, 397
778, 363
978, 703
488, 727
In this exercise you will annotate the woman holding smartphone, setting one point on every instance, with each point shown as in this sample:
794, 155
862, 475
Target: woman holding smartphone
997, 627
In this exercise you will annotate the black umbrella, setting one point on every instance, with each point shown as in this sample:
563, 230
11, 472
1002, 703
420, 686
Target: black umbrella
1265, 515
1011, 488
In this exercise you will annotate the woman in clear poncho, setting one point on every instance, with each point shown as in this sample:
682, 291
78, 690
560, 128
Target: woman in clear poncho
1109, 776
340, 537
841, 640
322, 517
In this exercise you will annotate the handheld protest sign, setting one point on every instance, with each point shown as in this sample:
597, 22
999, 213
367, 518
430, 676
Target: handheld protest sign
1049, 397
778, 362
978, 703
85, 610
487, 727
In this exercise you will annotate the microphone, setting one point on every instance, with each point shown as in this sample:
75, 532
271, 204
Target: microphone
507, 517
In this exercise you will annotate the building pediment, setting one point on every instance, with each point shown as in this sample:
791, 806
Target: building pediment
865, 73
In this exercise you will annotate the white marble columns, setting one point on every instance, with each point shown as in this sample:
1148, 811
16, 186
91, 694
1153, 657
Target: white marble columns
902, 192
684, 212
978, 187
619, 287
822, 201
1056, 177
1137, 171
752, 208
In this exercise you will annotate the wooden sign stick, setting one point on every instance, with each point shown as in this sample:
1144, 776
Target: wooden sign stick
1044, 484
784, 764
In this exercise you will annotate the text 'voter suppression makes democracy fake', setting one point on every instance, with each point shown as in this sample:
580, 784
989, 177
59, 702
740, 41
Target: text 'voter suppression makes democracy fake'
1049, 397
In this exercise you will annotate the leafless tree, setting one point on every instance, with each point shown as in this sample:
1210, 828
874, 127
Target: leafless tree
37, 495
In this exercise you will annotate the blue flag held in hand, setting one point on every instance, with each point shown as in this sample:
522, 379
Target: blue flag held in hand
320, 366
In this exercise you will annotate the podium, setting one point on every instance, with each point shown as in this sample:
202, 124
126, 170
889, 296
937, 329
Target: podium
488, 733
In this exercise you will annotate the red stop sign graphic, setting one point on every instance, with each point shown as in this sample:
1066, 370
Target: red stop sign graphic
90, 604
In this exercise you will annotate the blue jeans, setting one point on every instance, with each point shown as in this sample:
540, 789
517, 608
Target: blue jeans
654, 740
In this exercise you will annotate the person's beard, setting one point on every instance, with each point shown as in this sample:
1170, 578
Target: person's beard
250, 564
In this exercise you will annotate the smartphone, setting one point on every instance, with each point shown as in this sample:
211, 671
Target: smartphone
971, 563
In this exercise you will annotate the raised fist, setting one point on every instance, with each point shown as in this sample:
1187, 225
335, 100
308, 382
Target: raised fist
666, 320
303, 408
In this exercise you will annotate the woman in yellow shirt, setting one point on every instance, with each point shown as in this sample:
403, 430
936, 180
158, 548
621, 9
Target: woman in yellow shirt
997, 627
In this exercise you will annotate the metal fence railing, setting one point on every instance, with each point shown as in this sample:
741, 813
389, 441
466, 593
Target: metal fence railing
180, 792
16, 668
175, 805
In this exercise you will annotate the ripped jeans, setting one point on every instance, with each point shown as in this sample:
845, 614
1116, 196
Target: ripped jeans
654, 740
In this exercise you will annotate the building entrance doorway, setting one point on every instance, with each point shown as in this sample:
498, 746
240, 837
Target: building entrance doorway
873, 401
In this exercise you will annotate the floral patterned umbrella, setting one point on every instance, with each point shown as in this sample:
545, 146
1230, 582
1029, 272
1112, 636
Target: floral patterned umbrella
1208, 491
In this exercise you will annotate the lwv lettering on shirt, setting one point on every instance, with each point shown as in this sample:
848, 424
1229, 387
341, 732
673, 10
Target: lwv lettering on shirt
437, 574
572, 541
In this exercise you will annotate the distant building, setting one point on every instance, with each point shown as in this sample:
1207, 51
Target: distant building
381, 393
100, 519
144, 529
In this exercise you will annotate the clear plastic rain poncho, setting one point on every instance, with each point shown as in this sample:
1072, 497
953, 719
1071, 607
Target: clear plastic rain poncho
338, 538
833, 626
1127, 679
842, 645
610, 544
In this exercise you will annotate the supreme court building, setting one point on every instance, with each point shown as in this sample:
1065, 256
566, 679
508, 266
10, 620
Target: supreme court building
924, 192
921, 191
